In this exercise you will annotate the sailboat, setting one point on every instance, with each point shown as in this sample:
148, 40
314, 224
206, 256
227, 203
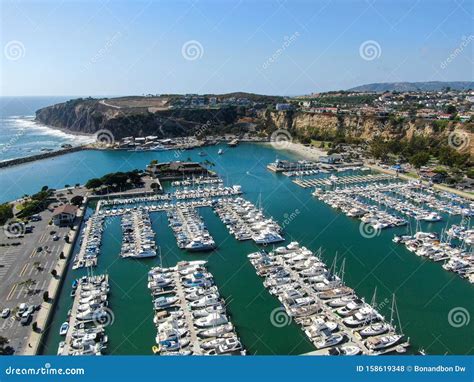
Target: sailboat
375, 328
384, 342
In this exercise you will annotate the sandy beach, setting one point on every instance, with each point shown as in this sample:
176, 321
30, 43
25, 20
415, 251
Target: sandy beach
306, 152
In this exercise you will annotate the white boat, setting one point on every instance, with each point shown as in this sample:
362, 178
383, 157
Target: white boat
220, 152
209, 300
213, 319
345, 350
375, 329
64, 328
384, 342
332, 340
350, 350
209, 310
214, 343
217, 331
267, 237
164, 302
199, 244
363, 316
227, 347
350, 308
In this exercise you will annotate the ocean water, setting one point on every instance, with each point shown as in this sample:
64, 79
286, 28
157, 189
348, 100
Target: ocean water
21, 136
426, 294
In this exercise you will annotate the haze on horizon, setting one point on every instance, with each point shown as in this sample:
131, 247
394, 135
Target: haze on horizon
270, 47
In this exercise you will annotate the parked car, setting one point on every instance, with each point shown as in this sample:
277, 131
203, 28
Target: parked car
5, 313
25, 319
35, 218
55, 238
22, 308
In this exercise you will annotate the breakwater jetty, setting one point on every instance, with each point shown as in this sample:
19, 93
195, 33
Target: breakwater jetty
46, 155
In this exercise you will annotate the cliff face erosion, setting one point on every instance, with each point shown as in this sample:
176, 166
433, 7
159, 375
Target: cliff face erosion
367, 127
90, 115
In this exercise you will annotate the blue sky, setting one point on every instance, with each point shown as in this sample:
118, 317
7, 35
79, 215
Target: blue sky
107, 47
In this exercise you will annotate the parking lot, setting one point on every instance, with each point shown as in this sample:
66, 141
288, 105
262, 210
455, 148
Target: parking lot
25, 270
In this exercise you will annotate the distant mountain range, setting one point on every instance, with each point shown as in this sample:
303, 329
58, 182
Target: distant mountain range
413, 86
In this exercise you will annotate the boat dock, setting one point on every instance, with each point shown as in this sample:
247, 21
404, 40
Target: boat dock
85, 334
245, 221
370, 215
91, 242
343, 180
138, 237
196, 181
334, 319
285, 166
189, 229
190, 315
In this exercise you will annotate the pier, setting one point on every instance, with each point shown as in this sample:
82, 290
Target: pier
91, 242
344, 180
307, 289
84, 328
190, 315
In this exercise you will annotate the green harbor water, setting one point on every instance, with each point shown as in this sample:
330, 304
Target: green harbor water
425, 292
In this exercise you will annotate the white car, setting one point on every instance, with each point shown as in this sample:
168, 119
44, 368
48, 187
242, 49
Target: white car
5, 313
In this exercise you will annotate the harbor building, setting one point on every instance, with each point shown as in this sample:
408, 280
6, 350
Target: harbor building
64, 215
177, 170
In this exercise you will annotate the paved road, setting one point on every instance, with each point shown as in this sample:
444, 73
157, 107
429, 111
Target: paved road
26, 262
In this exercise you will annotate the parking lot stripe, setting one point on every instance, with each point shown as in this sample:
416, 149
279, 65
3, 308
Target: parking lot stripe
11, 292
23, 270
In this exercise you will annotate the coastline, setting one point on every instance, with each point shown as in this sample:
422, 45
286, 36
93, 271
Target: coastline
309, 153
65, 130
313, 153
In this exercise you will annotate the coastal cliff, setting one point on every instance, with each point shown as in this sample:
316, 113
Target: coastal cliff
142, 116
91, 115
326, 126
